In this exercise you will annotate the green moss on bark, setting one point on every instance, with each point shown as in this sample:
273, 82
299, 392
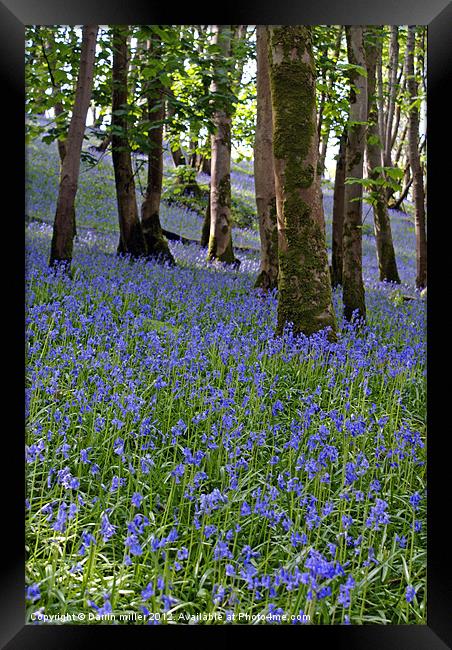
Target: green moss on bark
304, 282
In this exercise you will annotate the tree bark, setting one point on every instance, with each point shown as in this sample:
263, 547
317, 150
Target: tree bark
156, 243
415, 164
220, 239
393, 68
338, 214
131, 235
304, 285
326, 137
58, 108
205, 234
264, 172
63, 229
382, 226
177, 153
352, 273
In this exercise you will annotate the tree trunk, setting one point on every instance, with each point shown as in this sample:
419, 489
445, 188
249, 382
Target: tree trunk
304, 284
176, 153
397, 204
206, 166
415, 164
383, 236
131, 235
220, 240
156, 243
352, 272
264, 173
401, 144
205, 234
63, 229
326, 137
58, 108
338, 214
392, 91
380, 100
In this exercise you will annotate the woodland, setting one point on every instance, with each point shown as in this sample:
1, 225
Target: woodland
226, 292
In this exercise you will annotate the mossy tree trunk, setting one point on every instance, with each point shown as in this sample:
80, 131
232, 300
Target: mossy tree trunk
387, 264
63, 228
131, 234
415, 164
304, 284
352, 268
156, 243
220, 239
264, 171
338, 214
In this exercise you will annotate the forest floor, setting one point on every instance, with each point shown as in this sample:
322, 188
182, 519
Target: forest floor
183, 462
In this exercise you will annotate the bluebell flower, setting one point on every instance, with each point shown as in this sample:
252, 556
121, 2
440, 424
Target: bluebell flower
182, 553
277, 407
415, 500
378, 515
134, 545
60, 522
136, 500
33, 593
106, 607
221, 550
245, 509
410, 594
401, 541
107, 530
148, 591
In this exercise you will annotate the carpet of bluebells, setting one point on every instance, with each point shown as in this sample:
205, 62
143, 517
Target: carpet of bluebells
184, 463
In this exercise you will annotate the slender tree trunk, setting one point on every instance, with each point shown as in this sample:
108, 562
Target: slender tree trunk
61, 142
156, 243
131, 235
63, 229
220, 240
205, 166
338, 214
393, 69
383, 236
304, 285
193, 159
326, 137
176, 153
408, 181
415, 164
380, 101
352, 269
205, 234
401, 144
102, 148
58, 106
264, 172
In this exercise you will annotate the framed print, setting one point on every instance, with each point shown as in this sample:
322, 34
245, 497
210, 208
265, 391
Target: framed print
230, 365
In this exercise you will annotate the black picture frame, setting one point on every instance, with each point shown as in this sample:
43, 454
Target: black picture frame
14, 15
